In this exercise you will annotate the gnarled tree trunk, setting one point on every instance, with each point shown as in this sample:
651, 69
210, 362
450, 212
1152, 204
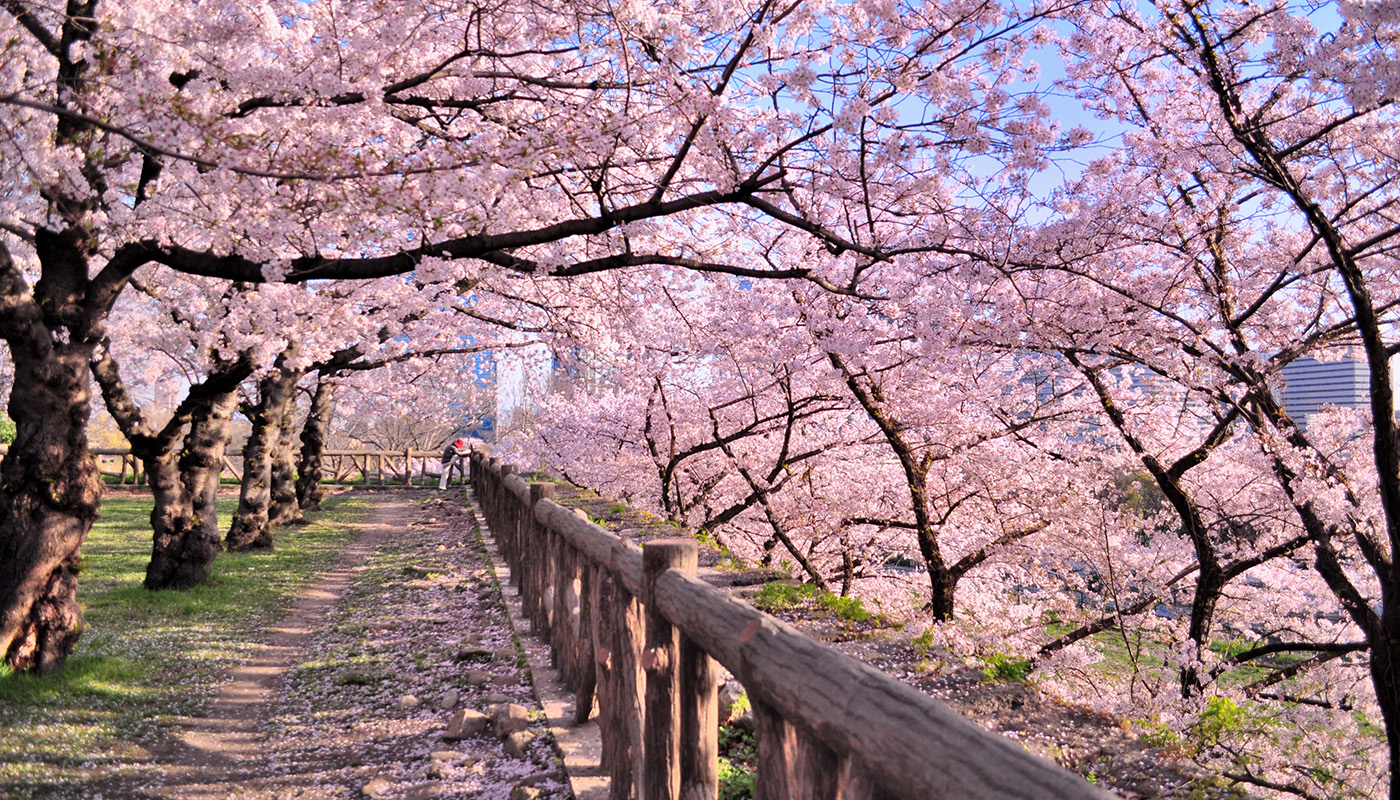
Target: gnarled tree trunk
184, 540
50, 499
284, 509
251, 528
313, 445
184, 520
50, 489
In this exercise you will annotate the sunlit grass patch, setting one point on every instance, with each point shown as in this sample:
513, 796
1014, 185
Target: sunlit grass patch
148, 658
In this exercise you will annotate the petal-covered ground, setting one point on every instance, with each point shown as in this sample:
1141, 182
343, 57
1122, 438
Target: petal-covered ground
418, 636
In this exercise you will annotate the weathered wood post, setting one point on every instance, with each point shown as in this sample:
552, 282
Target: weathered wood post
494, 492
584, 639
510, 518
535, 546
561, 557
622, 688
791, 764
546, 549
699, 721
568, 634
661, 770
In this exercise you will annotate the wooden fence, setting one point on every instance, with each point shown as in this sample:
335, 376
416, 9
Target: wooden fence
368, 467
635, 628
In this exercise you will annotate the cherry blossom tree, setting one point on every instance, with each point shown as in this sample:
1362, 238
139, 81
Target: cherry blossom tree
1253, 202
300, 141
181, 329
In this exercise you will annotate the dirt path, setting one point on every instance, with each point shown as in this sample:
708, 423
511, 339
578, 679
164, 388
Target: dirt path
354, 694
221, 755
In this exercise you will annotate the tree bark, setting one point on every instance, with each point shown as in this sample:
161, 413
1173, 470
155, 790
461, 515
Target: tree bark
201, 463
50, 498
50, 489
185, 534
251, 528
313, 445
184, 523
284, 509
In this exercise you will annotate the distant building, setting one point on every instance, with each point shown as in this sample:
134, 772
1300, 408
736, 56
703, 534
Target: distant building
522, 380
1310, 384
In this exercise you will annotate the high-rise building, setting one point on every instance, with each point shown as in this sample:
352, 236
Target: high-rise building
1310, 384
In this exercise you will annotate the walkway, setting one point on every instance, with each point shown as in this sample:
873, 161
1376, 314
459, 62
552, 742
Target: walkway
352, 695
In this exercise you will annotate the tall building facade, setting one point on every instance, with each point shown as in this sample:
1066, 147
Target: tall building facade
1309, 384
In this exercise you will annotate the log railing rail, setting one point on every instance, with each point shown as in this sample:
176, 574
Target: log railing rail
636, 629
406, 467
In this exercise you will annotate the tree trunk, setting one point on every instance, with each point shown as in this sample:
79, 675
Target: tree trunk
943, 587
172, 518
251, 528
284, 509
184, 519
52, 491
1210, 584
313, 445
185, 539
50, 488
1385, 678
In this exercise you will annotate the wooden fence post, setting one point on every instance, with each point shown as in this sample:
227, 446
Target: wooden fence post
494, 493
699, 723
561, 579
793, 765
533, 536
661, 771
621, 687
585, 639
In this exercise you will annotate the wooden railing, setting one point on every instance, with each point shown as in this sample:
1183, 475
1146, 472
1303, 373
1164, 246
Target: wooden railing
368, 467
635, 628
385, 466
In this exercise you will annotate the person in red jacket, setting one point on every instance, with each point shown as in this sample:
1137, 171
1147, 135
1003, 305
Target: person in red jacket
452, 456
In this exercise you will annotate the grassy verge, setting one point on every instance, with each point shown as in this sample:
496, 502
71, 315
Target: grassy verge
148, 658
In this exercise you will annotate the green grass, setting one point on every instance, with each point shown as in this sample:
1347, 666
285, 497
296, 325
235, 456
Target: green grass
1002, 668
147, 657
738, 762
778, 596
